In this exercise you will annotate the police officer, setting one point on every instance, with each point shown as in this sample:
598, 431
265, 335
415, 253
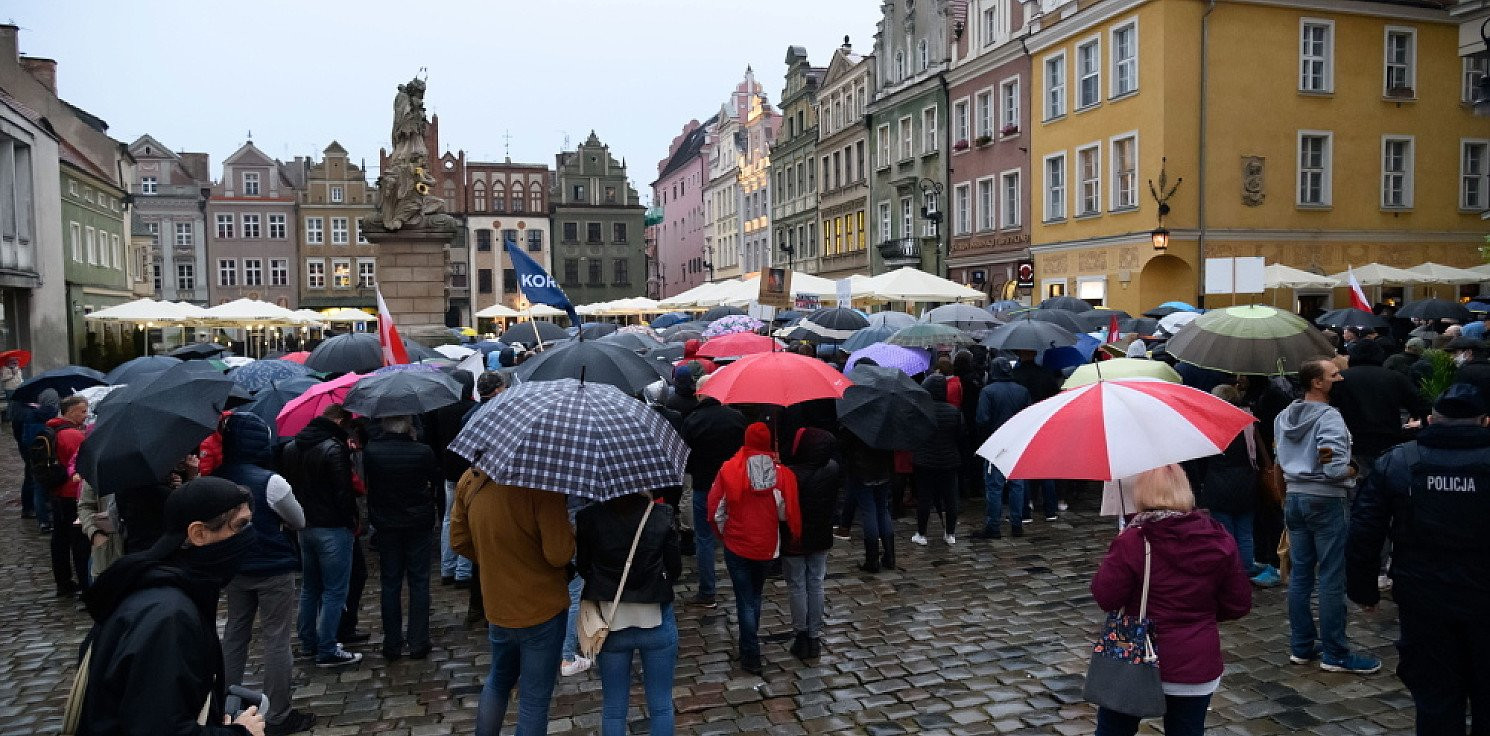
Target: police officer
1432, 497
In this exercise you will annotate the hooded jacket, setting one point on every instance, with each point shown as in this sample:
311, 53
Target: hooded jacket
690, 355
405, 487
1301, 431
319, 467
940, 450
998, 402
1196, 581
818, 481
750, 495
714, 433
69, 439
247, 453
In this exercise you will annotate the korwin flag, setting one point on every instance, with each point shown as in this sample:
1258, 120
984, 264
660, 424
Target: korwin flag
393, 346
538, 287
1357, 294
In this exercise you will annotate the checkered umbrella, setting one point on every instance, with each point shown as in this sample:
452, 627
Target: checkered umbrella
581, 439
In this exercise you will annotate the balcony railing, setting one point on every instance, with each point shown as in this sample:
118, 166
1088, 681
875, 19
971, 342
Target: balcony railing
901, 250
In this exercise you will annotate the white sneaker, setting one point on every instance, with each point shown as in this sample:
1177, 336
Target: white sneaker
919, 539
950, 539
574, 666
1383, 583
1062, 506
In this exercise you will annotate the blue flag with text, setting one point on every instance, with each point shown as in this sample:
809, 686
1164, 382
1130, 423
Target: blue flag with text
538, 287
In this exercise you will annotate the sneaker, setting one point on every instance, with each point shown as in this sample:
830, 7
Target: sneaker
1355, 664
339, 658
1313, 655
987, 534
295, 722
1062, 506
919, 539
572, 667
700, 601
950, 539
1053, 517
1383, 583
1268, 578
841, 532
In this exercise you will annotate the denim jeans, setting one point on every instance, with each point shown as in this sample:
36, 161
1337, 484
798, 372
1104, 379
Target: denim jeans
994, 483
749, 580
404, 553
326, 564
529, 659
658, 647
571, 632
703, 542
270, 599
804, 585
1184, 715
874, 509
1240, 526
1316, 537
452, 565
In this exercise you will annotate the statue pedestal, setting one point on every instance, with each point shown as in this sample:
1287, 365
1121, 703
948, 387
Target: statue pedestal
411, 276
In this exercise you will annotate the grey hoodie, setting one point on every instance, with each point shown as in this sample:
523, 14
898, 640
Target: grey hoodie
1301, 430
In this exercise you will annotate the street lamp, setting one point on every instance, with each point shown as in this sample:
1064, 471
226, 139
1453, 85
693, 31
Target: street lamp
709, 260
1481, 101
931, 196
1160, 235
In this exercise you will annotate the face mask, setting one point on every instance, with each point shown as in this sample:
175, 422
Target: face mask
1461, 358
219, 561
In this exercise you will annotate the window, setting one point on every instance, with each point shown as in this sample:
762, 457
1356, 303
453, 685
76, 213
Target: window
923, 55
509, 280
995, 22
618, 232
882, 159
907, 140
279, 272
1089, 169
535, 199
361, 237
610, 195
149, 185
517, 196
227, 272
986, 219
1316, 55
155, 275
154, 228
1396, 172
277, 227
116, 258
337, 194
859, 159
457, 275
620, 271
224, 227
76, 231
90, 241
959, 122
483, 241
1089, 73
184, 235
592, 232
899, 66
1471, 174
985, 114
72, 188
1009, 107
1314, 169
1010, 197
571, 271
315, 230
578, 191
594, 272
341, 273
251, 183
535, 241
251, 226
1125, 172
1125, 59
484, 280
509, 235
571, 232
907, 218
961, 203
930, 203
367, 273
253, 272
315, 274
1055, 86
338, 231
498, 197
1055, 187
1401, 61
186, 276
1475, 69
884, 211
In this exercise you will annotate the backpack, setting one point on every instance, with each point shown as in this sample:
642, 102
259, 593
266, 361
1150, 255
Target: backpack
46, 467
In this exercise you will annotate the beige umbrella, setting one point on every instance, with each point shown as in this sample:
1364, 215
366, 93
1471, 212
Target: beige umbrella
1375, 274
1442, 274
1279, 276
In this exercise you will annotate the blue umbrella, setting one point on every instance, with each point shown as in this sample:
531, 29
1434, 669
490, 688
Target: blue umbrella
257, 375
670, 319
64, 381
268, 401
139, 369
488, 346
1181, 306
1065, 357
1478, 307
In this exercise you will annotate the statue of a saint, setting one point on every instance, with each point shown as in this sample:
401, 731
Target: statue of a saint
404, 187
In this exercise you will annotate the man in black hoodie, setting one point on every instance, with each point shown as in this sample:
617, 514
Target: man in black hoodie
440, 427
714, 433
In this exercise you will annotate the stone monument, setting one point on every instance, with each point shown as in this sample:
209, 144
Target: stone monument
410, 227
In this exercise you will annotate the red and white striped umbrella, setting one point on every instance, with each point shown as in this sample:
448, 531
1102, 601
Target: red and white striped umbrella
1113, 429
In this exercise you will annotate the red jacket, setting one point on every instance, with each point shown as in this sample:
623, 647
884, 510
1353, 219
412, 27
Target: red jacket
751, 496
69, 438
690, 355
1196, 582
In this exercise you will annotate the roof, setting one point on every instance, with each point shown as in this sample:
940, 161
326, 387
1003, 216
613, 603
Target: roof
70, 155
689, 148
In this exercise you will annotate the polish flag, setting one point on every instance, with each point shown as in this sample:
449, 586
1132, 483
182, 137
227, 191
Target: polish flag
393, 346
1357, 294
1112, 329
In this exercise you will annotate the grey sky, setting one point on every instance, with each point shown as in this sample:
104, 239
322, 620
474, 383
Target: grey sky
199, 75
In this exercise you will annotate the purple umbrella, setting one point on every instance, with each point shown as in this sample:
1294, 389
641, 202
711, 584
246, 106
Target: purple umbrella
909, 361
416, 367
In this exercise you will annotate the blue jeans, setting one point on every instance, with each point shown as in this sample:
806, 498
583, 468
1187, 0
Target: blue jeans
529, 659
1240, 526
749, 580
404, 553
1316, 537
874, 509
804, 585
1184, 715
452, 565
326, 564
1049, 498
658, 647
571, 632
994, 483
703, 542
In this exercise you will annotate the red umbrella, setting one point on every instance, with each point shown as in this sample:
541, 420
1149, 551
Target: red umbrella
739, 343
297, 357
21, 357
775, 378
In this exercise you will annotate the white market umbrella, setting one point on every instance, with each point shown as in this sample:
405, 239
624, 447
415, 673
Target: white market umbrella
347, 314
250, 312
139, 310
543, 310
497, 311
914, 285
1279, 276
1375, 274
1442, 274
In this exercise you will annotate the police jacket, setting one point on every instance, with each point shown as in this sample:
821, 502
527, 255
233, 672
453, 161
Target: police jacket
1432, 498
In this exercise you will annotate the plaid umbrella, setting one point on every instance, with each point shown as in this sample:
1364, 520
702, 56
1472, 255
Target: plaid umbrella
581, 439
258, 375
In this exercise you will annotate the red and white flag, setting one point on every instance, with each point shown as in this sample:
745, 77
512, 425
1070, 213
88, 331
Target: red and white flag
393, 347
1357, 294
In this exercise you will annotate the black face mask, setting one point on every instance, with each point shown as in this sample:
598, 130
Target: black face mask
219, 561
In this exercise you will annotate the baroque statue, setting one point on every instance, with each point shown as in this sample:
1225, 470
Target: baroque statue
1252, 168
405, 184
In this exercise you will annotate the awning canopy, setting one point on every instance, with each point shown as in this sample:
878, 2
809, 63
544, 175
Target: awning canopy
1375, 274
1442, 274
1279, 276
909, 284
498, 311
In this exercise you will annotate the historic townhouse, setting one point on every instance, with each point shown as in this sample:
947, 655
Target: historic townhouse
722, 239
170, 202
505, 201
843, 145
340, 266
250, 244
759, 130
793, 203
597, 218
679, 191
99, 269
32, 290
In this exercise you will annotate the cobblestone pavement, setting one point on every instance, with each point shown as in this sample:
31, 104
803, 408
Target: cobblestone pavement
978, 638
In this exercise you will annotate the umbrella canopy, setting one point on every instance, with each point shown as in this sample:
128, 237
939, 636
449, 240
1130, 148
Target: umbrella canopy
414, 367
926, 334
869, 336
736, 344
581, 439
787, 316
782, 379
348, 315
1436, 309
21, 357
64, 380
1171, 325
909, 361
1375, 274
1160, 312
1113, 429
139, 369
144, 429
1063, 318
1350, 318
270, 400
892, 319
1251, 340
533, 332
299, 356
1118, 368
417, 351
1478, 307
401, 393
682, 336
597, 330
886, 409
733, 323
257, 375
595, 362
721, 311
909, 284
669, 353
197, 351
354, 352
834, 321
1100, 319
454, 352
635, 342
963, 317
1068, 303
670, 319
298, 411
1139, 325
1029, 334
1442, 274
697, 326
1004, 305
1279, 276
496, 311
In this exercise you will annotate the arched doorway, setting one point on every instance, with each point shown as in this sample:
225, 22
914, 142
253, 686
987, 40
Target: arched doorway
1166, 278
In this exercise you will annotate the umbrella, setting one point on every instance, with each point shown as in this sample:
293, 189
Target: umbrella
886, 409
139, 369
909, 361
259, 374
533, 332
632, 341
299, 356
21, 357
1140, 325
669, 353
354, 352
454, 352
926, 334
642, 330
1068, 303
417, 351
1251, 340
670, 319
412, 367
578, 438
269, 400
721, 311
597, 330
1004, 305
1161, 312
298, 412
736, 344
1436, 309
1171, 325
733, 323
1100, 319
401, 393
1028, 334
1069, 356
891, 318
786, 317
869, 336
1181, 306
595, 362
963, 317
65, 381
1350, 317
1065, 319
1117, 368
831, 324
197, 351
775, 378
1478, 307
144, 429
1113, 429
673, 333
486, 347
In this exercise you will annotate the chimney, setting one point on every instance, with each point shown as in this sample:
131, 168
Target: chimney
42, 70
9, 42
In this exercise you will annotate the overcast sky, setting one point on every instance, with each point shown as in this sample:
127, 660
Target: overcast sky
200, 75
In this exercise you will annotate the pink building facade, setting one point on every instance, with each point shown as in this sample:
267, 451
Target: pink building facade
679, 191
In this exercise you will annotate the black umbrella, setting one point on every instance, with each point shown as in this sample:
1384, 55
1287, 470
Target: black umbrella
1100, 319
1350, 318
139, 369
268, 402
1062, 318
1162, 311
694, 331
866, 337
532, 332
597, 330
402, 393
64, 380
145, 428
1431, 309
598, 362
785, 316
197, 351
354, 352
632, 341
668, 353
720, 311
830, 324
417, 351
1028, 334
1068, 303
1140, 325
886, 409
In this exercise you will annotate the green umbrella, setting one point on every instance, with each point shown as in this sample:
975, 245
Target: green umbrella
1252, 340
929, 334
1108, 370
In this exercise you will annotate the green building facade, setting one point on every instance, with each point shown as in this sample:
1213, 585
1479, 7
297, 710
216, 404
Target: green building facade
597, 223
97, 261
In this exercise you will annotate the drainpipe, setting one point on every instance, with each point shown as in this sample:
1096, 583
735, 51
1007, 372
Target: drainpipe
942, 232
1205, 63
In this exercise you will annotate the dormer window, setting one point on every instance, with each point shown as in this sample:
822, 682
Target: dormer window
251, 183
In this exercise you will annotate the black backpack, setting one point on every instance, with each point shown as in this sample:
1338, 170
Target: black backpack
46, 468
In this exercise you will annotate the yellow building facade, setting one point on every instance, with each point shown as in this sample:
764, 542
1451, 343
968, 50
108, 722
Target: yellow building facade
1314, 134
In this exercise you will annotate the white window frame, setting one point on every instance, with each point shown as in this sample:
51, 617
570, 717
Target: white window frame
1406, 174
906, 138
227, 225
278, 224
961, 123
1119, 203
985, 108
907, 217
227, 272
315, 230
986, 197
1326, 62
1475, 69
1094, 73
149, 185
1009, 102
962, 205
186, 276
1481, 178
1411, 72
886, 146
923, 54
315, 273
1010, 207
367, 273
1120, 66
90, 244
1055, 194
886, 222
251, 177
342, 262
1053, 99
117, 253
1326, 169
189, 231
1089, 190
361, 235
253, 272
256, 221
930, 130
279, 272
338, 194
339, 231
1082, 281
75, 231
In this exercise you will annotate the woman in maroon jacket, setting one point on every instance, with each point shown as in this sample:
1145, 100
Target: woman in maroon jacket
1197, 581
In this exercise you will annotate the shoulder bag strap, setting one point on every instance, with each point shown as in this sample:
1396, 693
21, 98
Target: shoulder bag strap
1143, 600
625, 572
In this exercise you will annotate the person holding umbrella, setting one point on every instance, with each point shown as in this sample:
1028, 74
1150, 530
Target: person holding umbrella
999, 400
404, 483
805, 557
